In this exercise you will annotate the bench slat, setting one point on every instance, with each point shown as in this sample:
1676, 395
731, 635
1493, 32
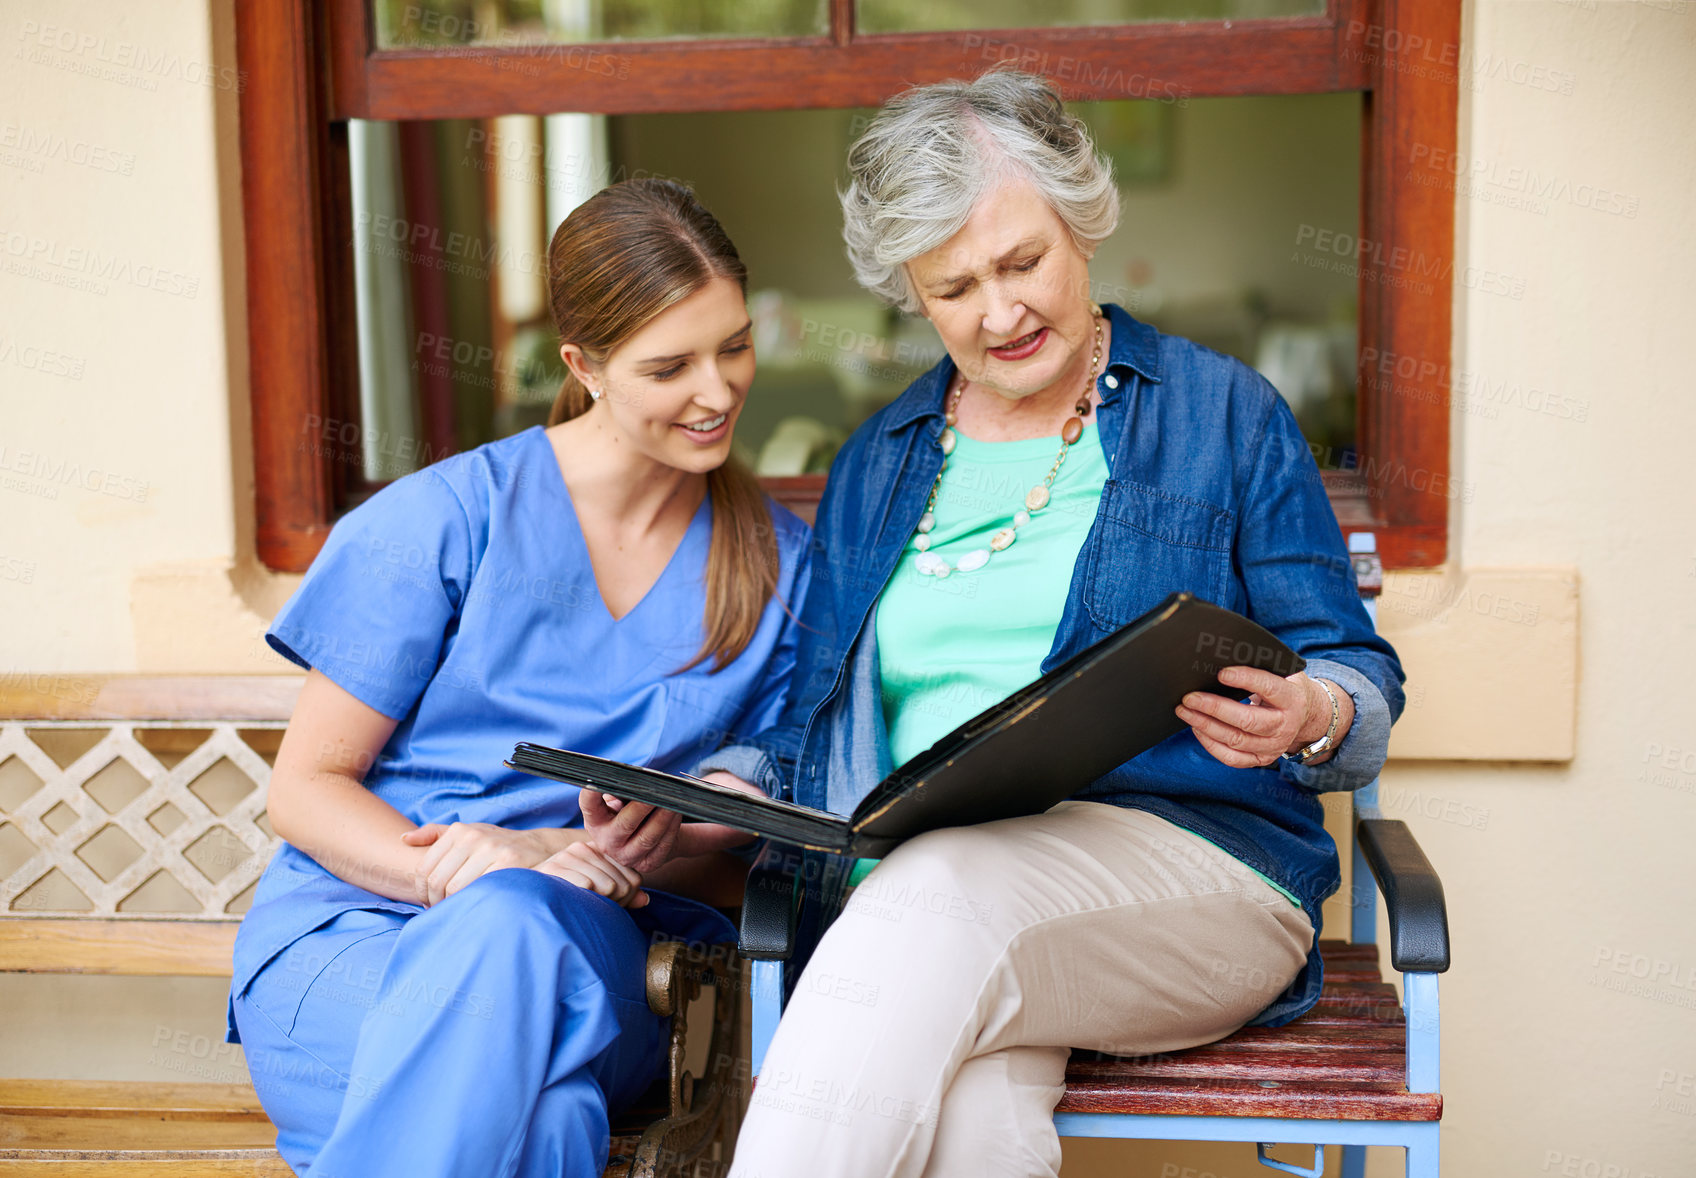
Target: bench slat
185, 1100
138, 1163
1334, 951
70, 1127
182, 698
138, 1132
1305, 1035
132, 948
1241, 1063
1381, 1102
1376, 1003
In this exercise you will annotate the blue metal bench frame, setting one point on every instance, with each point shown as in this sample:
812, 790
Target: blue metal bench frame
1385, 857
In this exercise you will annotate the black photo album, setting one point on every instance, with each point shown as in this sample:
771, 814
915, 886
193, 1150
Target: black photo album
1021, 756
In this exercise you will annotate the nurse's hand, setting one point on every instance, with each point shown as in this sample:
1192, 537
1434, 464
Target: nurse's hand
464, 851
583, 865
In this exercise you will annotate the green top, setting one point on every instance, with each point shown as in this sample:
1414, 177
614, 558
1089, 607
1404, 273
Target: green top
949, 647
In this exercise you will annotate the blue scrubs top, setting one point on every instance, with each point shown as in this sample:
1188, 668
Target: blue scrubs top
460, 601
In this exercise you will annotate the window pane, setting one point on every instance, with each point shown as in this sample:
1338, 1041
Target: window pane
1239, 217
451, 222
900, 16
1223, 202
404, 24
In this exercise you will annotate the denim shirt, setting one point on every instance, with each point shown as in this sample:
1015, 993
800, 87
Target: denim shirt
1212, 489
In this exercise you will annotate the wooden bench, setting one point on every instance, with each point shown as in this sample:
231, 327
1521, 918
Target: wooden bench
1344, 1059
132, 831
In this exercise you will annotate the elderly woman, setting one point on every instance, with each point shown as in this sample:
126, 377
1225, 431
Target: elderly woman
1063, 469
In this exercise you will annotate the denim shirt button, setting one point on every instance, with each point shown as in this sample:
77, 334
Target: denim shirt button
1110, 381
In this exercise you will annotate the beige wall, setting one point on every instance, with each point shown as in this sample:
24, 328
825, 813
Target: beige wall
1546, 764
1566, 871
131, 269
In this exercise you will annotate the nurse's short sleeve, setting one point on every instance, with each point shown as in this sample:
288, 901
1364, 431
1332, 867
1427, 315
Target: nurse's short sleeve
374, 609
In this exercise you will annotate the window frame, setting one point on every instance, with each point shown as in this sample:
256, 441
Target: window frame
313, 64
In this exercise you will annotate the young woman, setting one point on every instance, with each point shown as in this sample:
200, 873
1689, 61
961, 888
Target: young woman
615, 583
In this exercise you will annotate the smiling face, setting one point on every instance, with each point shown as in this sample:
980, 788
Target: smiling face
674, 389
1009, 294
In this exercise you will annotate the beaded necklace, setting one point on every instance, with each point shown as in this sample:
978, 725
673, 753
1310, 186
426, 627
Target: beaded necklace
929, 563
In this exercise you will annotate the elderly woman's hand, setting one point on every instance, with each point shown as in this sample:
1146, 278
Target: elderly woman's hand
1281, 716
643, 837
635, 834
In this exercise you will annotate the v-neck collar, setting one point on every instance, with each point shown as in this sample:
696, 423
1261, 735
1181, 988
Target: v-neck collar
691, 539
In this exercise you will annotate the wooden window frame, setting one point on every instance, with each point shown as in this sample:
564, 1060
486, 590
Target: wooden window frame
313, 64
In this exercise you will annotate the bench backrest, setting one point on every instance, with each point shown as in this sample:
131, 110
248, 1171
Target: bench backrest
132, 818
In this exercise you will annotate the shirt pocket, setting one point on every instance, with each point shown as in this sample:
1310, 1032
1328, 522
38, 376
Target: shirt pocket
1148, 543
697, 720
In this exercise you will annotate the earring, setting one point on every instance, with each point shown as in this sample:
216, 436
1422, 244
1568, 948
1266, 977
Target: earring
595, 394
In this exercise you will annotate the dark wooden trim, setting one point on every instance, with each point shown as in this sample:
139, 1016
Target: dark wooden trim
423, 205
1165, 62
841, 21
345, 29
282, 128
349, 40
799, 493
1407, 276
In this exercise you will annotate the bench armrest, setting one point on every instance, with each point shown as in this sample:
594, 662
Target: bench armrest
770, 907
1413, 895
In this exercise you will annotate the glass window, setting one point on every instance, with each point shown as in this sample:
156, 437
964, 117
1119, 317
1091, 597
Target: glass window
901, 16
409, 24
452, 221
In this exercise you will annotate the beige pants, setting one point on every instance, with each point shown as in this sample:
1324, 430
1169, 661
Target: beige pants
929, 1034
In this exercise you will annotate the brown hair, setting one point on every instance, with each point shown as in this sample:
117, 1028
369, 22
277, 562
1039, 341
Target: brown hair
621, 257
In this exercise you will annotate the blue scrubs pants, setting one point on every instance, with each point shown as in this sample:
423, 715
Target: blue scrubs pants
488, 1035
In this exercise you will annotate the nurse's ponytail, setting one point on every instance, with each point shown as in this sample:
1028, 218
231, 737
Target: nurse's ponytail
621, 257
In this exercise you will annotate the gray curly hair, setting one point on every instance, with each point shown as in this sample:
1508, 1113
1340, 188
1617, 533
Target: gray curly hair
933, 152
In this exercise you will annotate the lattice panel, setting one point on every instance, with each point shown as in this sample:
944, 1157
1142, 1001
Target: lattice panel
162, 831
